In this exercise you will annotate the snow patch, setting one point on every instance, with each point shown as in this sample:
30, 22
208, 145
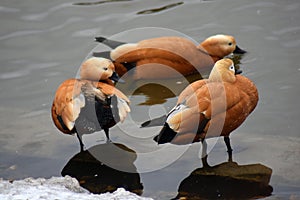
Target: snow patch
60, 188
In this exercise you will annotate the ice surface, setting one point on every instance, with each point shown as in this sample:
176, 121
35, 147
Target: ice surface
59, 188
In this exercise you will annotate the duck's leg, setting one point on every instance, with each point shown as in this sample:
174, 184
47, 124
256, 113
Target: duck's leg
204, 153
80, 142
229, 149
106, 130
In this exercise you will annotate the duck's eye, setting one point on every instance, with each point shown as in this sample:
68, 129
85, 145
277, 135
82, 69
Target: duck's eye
230, 43
105, 68
232, 68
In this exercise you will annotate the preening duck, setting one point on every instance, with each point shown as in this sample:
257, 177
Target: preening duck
210, 107
169, 57
91, 103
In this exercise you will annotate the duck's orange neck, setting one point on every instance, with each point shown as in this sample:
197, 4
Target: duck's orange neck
203, 50
215, 58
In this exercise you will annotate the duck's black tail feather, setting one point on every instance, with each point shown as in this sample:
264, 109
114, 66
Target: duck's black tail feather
166, 135
104, 54
154, 122
110, 43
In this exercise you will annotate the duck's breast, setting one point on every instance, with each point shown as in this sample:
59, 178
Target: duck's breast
242, 98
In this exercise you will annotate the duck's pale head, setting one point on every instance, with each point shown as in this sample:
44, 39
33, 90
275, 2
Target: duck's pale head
223, 70
219, 46
97, 69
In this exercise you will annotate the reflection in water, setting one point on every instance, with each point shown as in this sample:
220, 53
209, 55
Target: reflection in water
153, 97
156, 10
97, 2
97, 177
237, 60
155, 91
227, 181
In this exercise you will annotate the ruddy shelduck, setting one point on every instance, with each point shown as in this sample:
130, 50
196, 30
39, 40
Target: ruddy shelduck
91, 103
169, 57
210, 107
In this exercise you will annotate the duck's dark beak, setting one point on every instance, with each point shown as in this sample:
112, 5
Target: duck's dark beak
114, 77
238, 71
238, 50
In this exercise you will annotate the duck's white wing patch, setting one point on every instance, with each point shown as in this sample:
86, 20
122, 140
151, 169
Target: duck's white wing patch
123, 108
176, 110
78, 103
174, 117
122, 49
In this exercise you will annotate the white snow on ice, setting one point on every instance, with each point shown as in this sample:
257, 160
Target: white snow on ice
58, 188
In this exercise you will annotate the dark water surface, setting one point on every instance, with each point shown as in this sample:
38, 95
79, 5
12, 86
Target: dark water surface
44, 43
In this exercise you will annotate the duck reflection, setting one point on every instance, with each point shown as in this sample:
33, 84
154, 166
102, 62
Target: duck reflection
227, 180
105, 168
155, 91
152, 96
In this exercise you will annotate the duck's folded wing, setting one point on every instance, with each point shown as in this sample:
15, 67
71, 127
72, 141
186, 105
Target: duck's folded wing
67, 104
190, 90
214, 98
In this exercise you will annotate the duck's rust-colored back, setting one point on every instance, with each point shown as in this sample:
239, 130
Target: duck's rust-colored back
63, 109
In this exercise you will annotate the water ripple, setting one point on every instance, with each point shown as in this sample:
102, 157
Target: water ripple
41, 16
286, 30
112, 16
8, 10
248, 28
254, 5
292, 7
15, 74
25, 71
34, 113
293, 43
43, 65
86, 32
30, 32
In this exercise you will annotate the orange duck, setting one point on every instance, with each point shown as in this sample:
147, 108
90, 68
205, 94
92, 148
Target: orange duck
210, 107
169, 57
91, 103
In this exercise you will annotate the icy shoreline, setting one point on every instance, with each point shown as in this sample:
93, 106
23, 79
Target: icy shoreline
60, 188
